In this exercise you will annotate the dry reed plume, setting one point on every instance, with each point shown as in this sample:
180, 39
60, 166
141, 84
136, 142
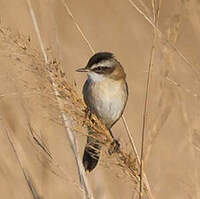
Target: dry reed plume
73, 105
62, 102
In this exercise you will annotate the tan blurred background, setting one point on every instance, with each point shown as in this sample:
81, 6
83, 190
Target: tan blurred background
172, 146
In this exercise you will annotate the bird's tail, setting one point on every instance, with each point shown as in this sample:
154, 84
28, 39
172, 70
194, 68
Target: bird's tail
91, 152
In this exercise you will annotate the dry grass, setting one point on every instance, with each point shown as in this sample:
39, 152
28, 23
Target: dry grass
52, 75
156, 11
123, 158
166, 107
67, 104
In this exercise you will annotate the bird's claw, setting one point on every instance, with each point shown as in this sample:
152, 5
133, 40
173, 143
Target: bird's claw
114, 147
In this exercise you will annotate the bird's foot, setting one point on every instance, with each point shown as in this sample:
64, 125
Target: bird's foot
88, 115
114, 147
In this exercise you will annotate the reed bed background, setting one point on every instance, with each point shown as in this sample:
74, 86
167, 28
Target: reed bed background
42, 114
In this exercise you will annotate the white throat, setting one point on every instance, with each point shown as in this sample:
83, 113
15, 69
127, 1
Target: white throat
96, 77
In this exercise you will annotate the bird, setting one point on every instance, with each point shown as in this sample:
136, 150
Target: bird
105, 94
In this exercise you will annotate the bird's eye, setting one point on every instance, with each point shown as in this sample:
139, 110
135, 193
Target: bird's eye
99, 68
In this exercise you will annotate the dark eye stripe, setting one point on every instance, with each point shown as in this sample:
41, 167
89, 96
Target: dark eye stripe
106, 68
103, 69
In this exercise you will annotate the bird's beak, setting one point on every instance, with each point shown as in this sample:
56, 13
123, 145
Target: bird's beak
82, 70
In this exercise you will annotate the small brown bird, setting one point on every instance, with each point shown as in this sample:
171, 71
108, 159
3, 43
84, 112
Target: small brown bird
105, 93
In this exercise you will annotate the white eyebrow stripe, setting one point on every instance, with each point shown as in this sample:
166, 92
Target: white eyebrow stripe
94, 66
106, 63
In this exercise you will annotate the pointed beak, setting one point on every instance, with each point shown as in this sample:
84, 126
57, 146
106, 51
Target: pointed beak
82, 70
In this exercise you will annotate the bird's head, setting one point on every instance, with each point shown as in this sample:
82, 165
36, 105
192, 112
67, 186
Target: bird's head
103, 65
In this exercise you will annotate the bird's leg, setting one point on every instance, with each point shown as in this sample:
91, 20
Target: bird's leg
114, 146
87, 112
88, 115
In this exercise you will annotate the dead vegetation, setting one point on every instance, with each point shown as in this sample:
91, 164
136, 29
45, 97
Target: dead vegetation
52, 75
48, 71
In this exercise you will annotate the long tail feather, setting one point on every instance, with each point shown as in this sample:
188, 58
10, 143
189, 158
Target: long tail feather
91, 153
